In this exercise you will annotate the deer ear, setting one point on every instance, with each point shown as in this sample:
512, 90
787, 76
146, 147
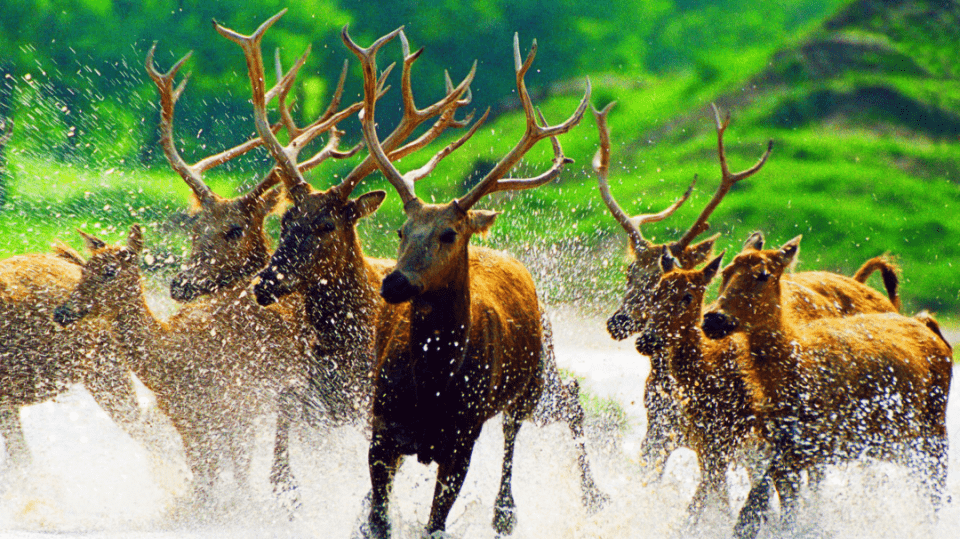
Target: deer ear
480, 221
790, 250
668, 262
93, 243
754, 242
698, 254
135, 239
712, 268
366, 204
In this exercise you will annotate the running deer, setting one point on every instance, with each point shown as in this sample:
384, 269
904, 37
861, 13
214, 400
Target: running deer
809, 294
834, 388
714, 399
473, 346
211, 375
40, 360
228, 243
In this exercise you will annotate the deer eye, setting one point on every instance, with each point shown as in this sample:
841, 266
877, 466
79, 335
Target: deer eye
109, 272
763, 276
448, 236
233, 233
326, 228
686, 300
400, 233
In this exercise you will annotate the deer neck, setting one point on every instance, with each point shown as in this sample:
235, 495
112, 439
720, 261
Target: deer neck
439, 328
139, 334
342, 307
686, 354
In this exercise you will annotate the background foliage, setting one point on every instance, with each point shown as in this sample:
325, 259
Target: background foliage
861, 98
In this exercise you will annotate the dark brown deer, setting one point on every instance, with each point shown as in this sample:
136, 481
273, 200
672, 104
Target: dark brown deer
228, 243
474, 344
40, 360
834, 388
211, 375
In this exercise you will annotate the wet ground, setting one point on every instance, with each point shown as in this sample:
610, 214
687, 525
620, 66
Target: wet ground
89, 479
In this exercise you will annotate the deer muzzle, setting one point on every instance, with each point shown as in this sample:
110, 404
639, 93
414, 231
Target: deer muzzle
621, 326
396, 288
718, 325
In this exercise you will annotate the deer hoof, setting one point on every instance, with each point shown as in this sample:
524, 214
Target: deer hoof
504, 520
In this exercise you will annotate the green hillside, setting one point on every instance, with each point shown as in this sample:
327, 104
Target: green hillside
862, 101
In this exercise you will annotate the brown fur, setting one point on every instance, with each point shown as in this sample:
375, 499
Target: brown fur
40, 360
835, 387
715, 400
213, 366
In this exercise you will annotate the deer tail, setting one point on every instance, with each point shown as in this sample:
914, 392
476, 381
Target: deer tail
889, 271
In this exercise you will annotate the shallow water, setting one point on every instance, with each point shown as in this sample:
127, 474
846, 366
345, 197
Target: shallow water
90, 479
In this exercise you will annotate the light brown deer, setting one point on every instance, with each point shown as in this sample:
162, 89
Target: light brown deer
834, 388
211, 375
809, 294
710, 393
228, 243
40, 360
474, 345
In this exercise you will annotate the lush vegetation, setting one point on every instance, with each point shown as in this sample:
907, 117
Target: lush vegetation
861, 99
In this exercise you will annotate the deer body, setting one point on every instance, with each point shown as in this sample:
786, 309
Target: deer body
213, 366
834, 388
40, 360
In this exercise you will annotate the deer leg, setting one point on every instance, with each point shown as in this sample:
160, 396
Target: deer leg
934, 459
712, 483
450, 475
384, 459
590, 494
285, 486
787, 482
752, 512
18, 454
505, 509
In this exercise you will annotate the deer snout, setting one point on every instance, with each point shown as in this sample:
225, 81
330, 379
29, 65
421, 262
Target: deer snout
649, 343
621, 326
266, 290
396, 288
65, 315
183, 289
718, 325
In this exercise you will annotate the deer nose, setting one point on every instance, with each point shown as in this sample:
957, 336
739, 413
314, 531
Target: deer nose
265, 290
649, 343
718, 325
396, 288
620, 326
182, 289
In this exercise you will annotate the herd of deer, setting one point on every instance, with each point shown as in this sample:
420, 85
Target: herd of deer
805, 368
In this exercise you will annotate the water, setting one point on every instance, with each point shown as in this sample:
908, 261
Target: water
89, 479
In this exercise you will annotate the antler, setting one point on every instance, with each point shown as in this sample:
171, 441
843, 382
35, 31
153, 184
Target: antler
728, 179
601, 163
455, 98
191, 174
534, 133
286, 156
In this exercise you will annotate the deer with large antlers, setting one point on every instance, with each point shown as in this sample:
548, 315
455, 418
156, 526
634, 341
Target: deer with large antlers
835, 388
228, 243
40, 360
810, 295
472, 346
211, 375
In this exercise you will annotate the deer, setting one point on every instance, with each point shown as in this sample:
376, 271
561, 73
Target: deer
472, 345
835, 388
709, 390
810, 294
211, 375
39, 360
228, 245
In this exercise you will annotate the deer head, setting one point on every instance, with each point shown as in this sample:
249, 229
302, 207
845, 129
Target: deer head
228, 243
751, 293
108, 279
434, 238
644, 271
